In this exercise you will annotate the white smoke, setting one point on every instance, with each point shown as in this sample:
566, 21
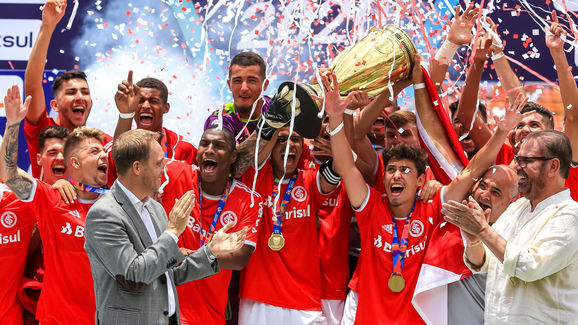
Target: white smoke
145, 37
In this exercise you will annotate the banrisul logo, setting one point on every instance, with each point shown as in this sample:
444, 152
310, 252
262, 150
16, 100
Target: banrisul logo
17, 36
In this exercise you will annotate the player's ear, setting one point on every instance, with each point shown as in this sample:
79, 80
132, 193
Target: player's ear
136, 167
421, 180
75, 162
54, 105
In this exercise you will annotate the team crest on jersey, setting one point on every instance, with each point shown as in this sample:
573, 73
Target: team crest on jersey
75, 213
416, 228
8, 219
227, 217
388, 228
299, 193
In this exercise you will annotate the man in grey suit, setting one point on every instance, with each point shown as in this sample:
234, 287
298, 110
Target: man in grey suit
132, 245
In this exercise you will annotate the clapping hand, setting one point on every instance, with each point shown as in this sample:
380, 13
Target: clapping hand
468, 216
179, 215
224, 243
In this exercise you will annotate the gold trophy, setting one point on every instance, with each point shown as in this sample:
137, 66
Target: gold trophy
382, 58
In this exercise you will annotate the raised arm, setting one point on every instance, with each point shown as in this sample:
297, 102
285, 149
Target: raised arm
458, 188
468, 103
568, 89
51, 14
18, 180
366, 156
460, 33
428, 116
351, 178
509, 80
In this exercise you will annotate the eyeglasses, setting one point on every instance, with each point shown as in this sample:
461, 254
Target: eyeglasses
523, 161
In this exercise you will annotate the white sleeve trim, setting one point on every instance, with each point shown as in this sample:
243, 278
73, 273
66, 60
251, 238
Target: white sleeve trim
443, 194
251, 243
364, 203
318, 184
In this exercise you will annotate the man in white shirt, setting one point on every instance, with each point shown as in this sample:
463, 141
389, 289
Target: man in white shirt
132, 245
531, 252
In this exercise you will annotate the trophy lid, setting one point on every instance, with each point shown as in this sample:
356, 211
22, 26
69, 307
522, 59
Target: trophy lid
307, 123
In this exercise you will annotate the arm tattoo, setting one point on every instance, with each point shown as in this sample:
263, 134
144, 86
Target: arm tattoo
246, 155
20, 185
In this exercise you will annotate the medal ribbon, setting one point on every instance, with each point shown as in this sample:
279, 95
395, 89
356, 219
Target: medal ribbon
164, 144
220, 207
398, 247
286, 199
87, 188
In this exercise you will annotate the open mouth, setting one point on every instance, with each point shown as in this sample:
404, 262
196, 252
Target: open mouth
484, 206
522, 178
58, 171
102, 169
78, 111
209, 165
146, 118
291, 158
396, 189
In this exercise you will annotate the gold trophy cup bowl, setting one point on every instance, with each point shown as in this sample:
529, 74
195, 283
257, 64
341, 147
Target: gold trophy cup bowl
379, 60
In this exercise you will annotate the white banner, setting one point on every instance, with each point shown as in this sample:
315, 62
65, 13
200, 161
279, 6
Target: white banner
17, 36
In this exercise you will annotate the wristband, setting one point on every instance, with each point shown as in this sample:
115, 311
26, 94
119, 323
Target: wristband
327, 172
497, 56
126, 115
418, 86
446, 52
334, 131
349, 111
476, 243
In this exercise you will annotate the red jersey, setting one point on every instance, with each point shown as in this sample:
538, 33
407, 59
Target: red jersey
175, 147
206, 300
67, 295
377, 304
32, 132
505, 155
290, 277
572, 182
16, 223
334, 221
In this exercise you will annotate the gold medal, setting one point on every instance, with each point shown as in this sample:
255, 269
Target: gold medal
396, 283
276, 241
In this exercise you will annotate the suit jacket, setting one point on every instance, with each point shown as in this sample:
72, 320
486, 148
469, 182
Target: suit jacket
129, 269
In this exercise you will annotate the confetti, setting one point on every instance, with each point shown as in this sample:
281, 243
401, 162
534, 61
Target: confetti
72, 15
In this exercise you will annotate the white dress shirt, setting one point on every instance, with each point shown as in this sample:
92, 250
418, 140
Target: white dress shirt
142, 209
538, 281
